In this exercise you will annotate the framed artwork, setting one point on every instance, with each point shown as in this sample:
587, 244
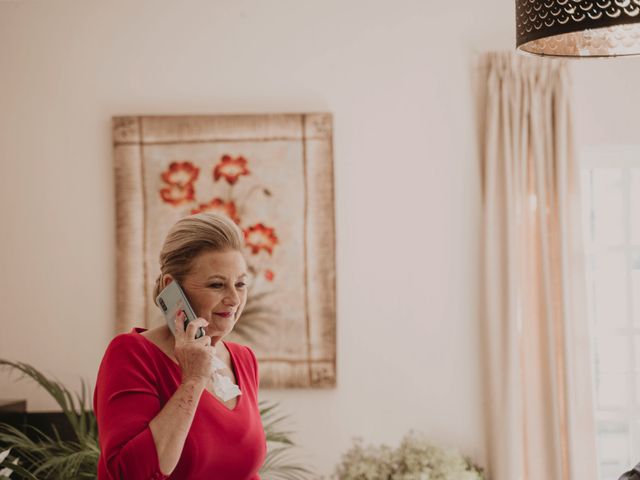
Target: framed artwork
273, 176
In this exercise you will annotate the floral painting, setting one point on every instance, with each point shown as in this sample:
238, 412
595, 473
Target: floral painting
270, 174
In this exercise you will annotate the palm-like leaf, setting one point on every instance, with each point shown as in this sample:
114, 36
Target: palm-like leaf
278, 465
74, 407
23, 472
271, 423
50, 456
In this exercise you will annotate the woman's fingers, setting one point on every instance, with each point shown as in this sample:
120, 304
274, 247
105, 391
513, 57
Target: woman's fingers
195, 361
204, 340
193, 327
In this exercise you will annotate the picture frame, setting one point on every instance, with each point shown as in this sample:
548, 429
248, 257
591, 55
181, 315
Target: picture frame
272, 174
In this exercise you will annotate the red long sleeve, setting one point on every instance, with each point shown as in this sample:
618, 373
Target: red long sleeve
136, 379
125, 401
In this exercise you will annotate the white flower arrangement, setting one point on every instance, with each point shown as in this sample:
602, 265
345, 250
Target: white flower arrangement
415, 459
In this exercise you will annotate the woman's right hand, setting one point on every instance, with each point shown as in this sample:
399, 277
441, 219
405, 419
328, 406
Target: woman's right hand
195, 356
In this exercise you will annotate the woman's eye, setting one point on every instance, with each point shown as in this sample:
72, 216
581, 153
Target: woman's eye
221, 285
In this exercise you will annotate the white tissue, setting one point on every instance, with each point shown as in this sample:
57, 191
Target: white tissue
223, 387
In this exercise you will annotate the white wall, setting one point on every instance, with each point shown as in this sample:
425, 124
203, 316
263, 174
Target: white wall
606, 99
397, 77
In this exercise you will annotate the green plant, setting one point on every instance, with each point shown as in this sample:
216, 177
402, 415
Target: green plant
415, 459
278, 465
51, 457
9, 465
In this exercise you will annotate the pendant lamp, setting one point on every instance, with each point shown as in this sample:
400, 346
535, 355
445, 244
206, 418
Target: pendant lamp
578, 28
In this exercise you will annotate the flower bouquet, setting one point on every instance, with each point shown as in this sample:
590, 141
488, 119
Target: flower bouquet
415, 459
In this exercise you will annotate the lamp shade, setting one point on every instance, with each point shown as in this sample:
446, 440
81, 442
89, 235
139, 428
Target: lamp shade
578, 28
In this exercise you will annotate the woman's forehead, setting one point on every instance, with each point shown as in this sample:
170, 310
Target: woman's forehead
228, 263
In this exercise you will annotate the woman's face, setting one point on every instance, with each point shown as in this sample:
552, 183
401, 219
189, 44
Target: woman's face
216, 288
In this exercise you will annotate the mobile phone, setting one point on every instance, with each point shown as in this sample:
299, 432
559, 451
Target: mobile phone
170, 300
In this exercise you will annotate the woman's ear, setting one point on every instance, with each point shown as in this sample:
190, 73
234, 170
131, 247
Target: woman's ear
166, 280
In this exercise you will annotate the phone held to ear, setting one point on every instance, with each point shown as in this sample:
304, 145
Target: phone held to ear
171, 300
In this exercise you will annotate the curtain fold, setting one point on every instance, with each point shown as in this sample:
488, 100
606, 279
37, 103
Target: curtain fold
538, 394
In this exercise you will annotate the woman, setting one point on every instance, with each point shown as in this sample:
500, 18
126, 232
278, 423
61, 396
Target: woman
157, 414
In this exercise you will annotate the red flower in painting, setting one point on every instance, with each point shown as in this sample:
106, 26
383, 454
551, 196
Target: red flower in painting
231, 169
181, 173
177, 195
259, 237
218, 205
269, 275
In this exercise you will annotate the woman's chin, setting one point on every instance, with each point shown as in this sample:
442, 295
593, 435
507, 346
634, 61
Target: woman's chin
219, 330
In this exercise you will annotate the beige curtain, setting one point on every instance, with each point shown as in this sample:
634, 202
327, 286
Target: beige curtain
538, 383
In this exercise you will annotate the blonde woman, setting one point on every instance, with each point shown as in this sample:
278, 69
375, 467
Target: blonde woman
158, 416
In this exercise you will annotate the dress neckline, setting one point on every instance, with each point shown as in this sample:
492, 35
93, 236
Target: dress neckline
176, 366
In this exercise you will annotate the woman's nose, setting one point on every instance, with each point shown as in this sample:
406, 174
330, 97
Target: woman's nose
232, 298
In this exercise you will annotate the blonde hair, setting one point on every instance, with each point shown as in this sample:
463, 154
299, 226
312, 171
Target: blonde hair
189, 237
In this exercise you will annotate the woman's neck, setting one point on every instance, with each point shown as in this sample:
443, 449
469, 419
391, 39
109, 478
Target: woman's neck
170, 339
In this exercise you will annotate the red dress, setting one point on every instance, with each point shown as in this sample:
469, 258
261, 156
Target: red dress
136, 379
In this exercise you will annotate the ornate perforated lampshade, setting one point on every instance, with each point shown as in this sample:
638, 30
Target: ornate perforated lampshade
578, 28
